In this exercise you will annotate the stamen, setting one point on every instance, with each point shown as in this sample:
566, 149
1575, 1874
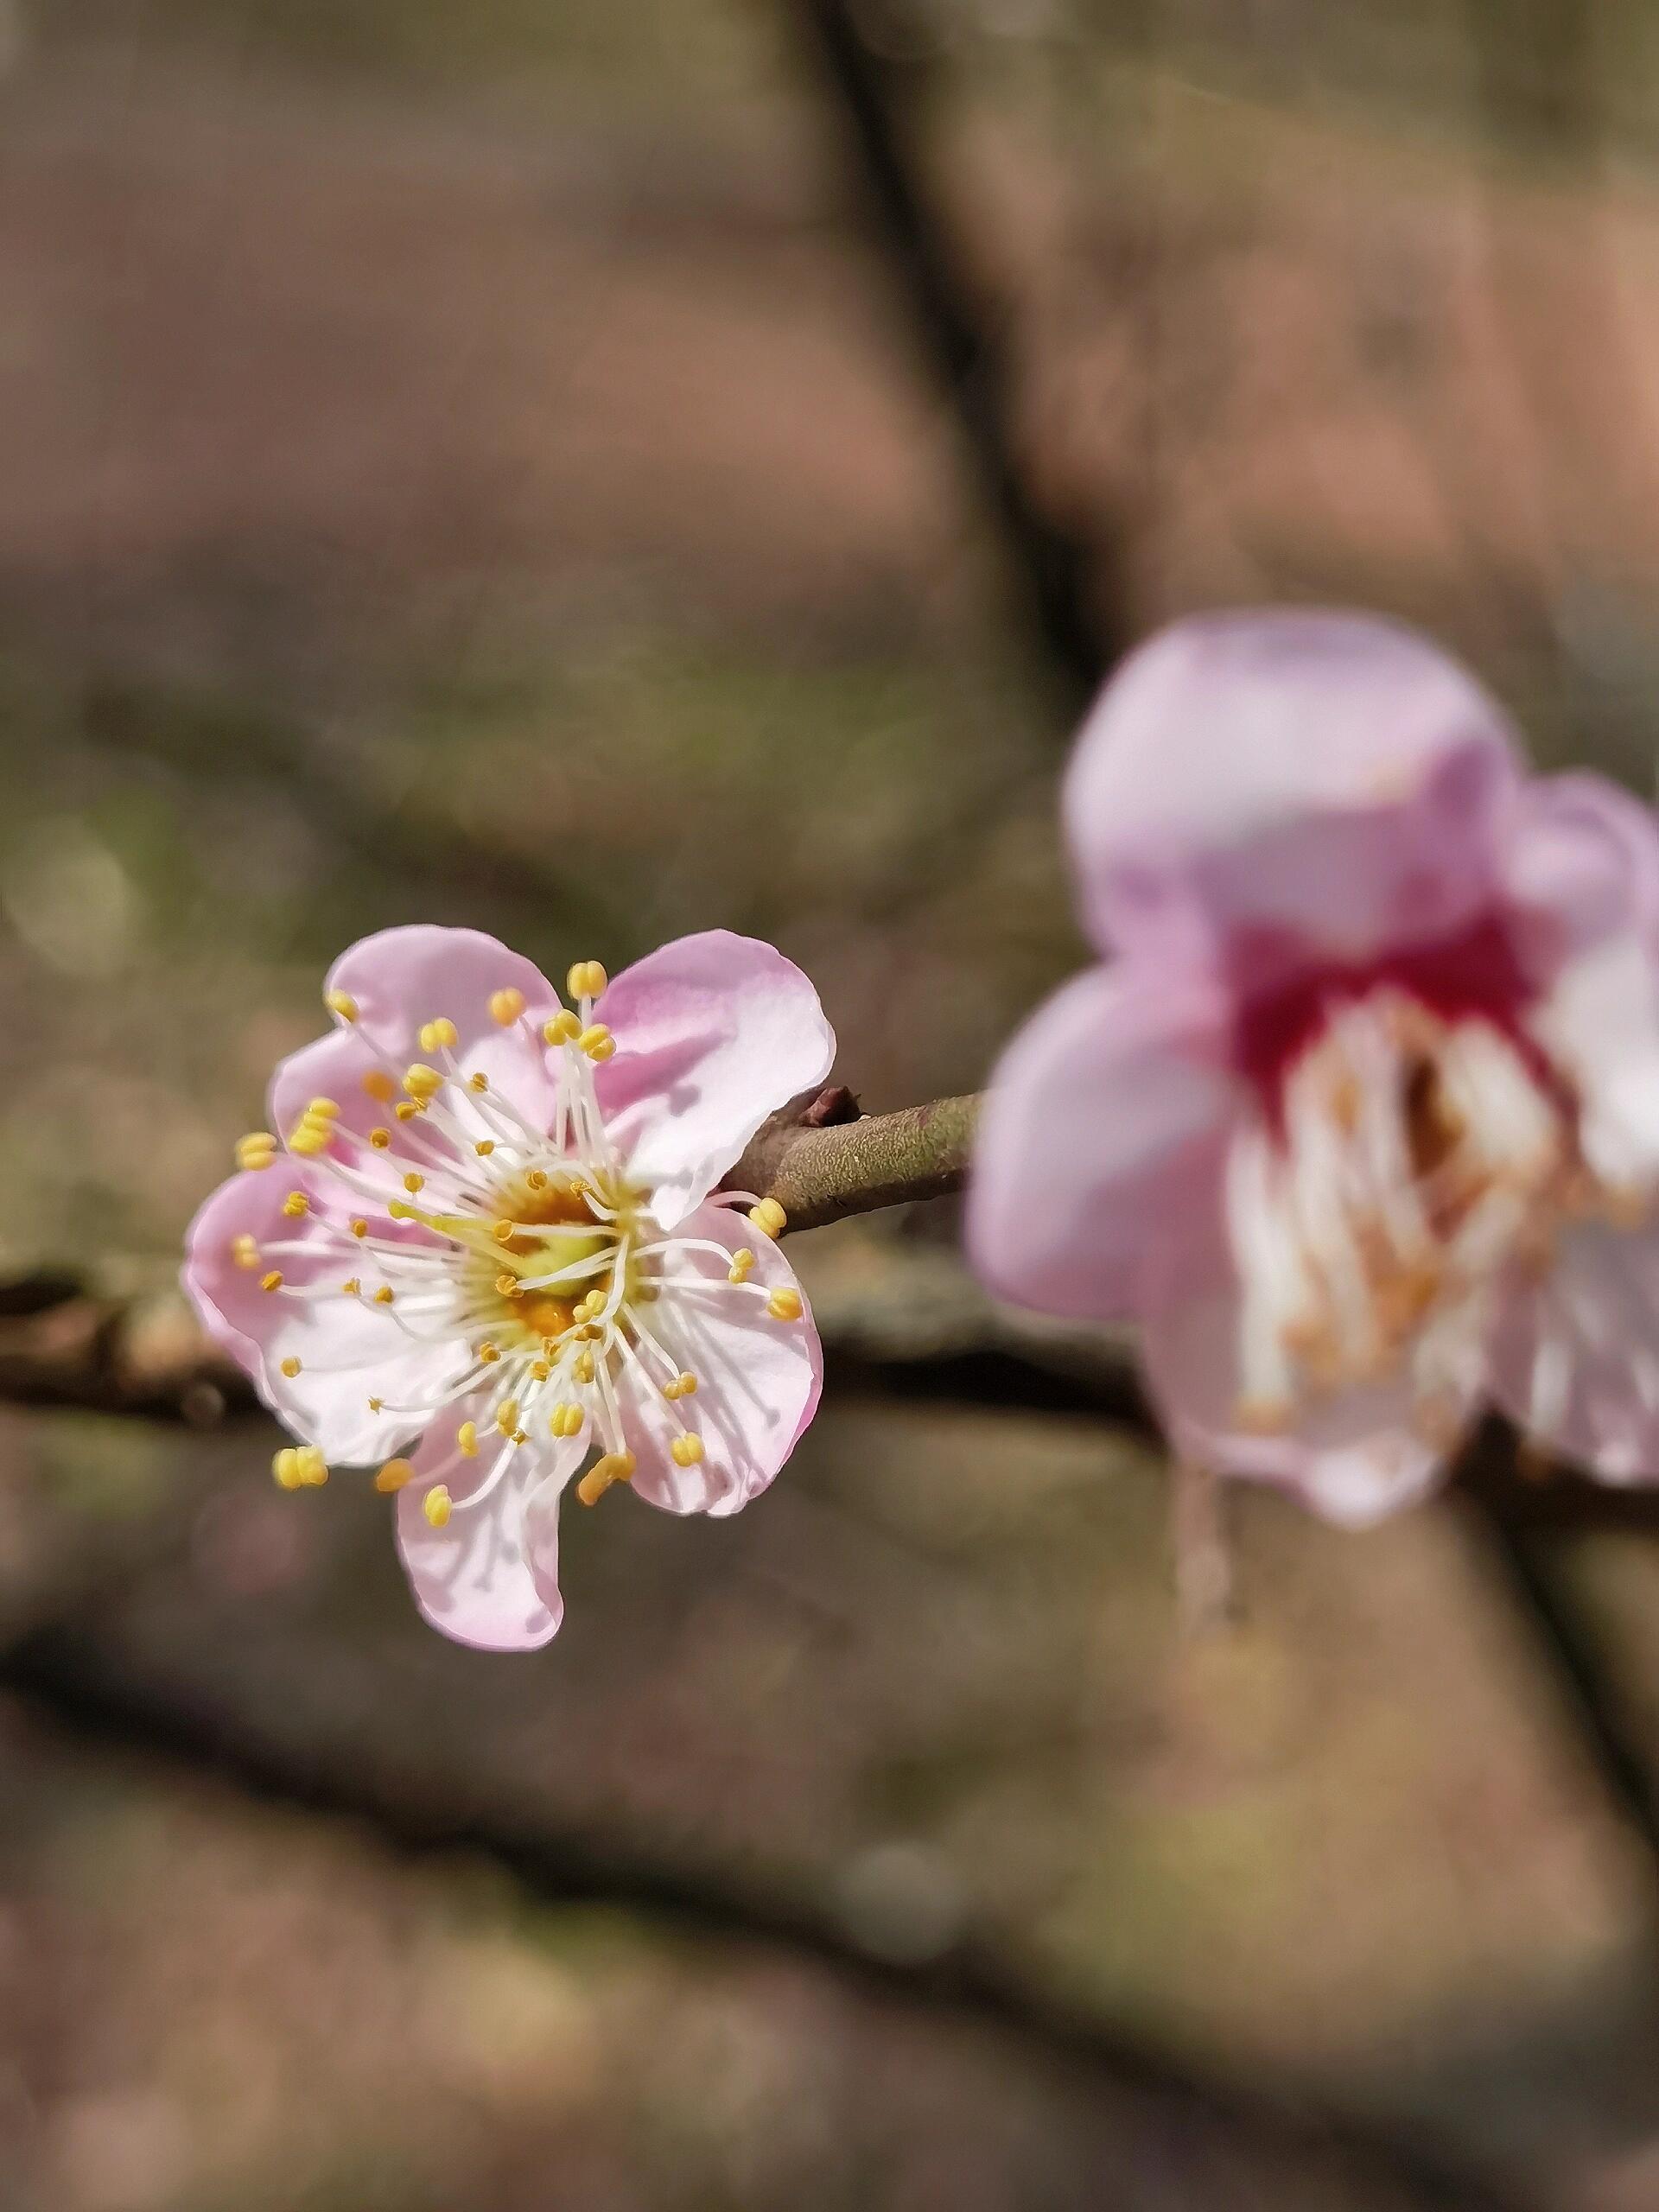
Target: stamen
255, 1150
436, 1506
295, 1204
438, 1035
768, 1217
614, 1467
563, 1029
379, 1085
467, 1438
586, 980
686, 1451
506, 1007
784, 1305
342, 1003
290, 1367
244, 1250
393, 1476
422, 1082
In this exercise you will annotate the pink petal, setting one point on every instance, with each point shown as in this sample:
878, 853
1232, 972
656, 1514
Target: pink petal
758, 1379
489, 1576
713, 1033
1097, 1167
404, 978
1304, 781
1353, 1457
1584, 877
1574, 1358
349, 1348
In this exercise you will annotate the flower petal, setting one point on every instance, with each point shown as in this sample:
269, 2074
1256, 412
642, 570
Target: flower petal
1573, 1360
758, 1379
1584, 874
713, 1033
401, 979
348, 1348
1353, 1457
1307, 780
489, 1576
1108, 1112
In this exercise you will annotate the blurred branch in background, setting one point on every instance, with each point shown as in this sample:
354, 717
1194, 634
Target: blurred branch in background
876, 59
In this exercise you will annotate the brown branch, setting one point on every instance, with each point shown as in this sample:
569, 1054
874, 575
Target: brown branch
820, 1173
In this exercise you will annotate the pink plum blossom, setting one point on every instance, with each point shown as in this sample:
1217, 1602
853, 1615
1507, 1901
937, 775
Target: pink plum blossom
1360, 1120
486, 1231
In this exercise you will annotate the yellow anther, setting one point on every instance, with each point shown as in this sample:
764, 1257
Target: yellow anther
286, 1468
342, 1003
586, 980
384, 1295
396, 1210
506, 1415
323, 1110
378, 1085
536, 1179
380, 1139
407, 1109
307, 1468
295, 1204
671, 1390
614, 1467
437, 1506
485, 1146
256, 1150
504, 1231
377, 1405
436, 1034
359, 1227
290, 1367
351, 1287
597, 1041
467, 1439
784, 1305
688, 1384
477, 1081
423, 1082
539, 1370
686, 1451
310, 1138
273, 1280
488, 1354
413, 1182
393, 1476
742, 1264
244, 1250
582, 1367
566, 1418
563, 1029
506, 1006
509, 1287
768, 1217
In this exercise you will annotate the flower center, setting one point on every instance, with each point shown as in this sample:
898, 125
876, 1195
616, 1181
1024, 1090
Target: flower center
1416, 1157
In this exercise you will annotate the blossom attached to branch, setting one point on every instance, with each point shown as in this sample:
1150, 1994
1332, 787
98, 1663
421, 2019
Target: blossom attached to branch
1361, 1121
484, 1225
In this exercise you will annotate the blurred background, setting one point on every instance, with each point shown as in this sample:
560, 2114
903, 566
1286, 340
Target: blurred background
594, 469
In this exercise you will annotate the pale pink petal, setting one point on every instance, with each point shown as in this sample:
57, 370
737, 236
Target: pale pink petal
713, 1033
1580, 864
404, 978
489, 1576
1099, 1158
758, 1379
1575, 1356
1584, 875
349, 1348
1307, 782
1353, 1457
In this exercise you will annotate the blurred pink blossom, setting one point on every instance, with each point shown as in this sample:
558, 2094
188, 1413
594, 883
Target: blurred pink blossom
1360, 1122
489, 1224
